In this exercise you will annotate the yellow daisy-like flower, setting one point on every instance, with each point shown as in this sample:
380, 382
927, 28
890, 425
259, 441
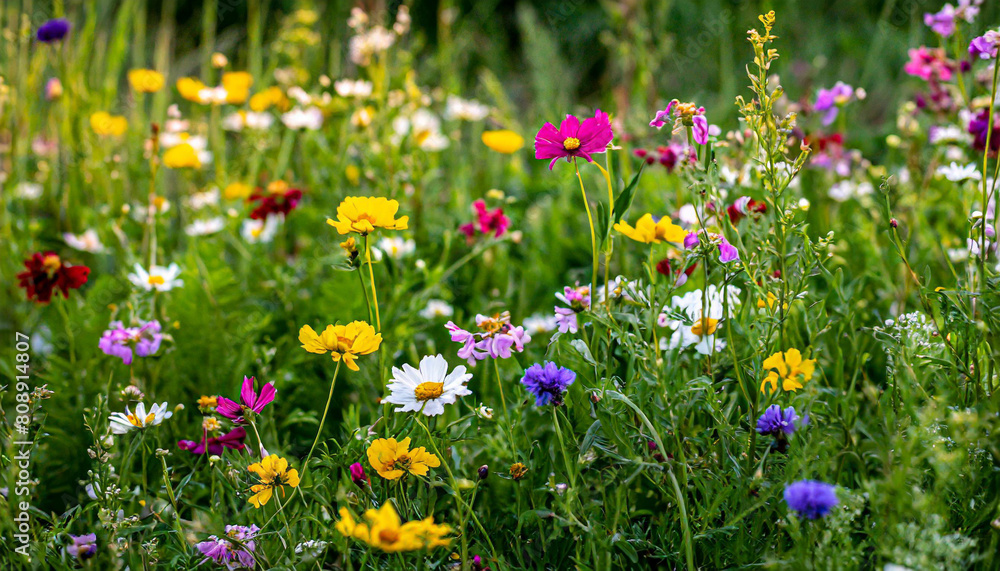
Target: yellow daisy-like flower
392, 460
382, 529
503, 141
181, 156
237, 84
145, 80
270, 96
273, 473
789, 368
363, 214
345, 342
649, 232
190, 89
236, 190
106, 124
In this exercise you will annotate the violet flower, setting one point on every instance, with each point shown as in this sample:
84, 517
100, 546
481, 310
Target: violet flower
828, 101
810, 498
53, 30
120, 341
496, 339
547, 382
216, 445
83, 546
234, 550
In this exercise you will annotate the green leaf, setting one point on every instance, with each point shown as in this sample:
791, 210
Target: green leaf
625, 198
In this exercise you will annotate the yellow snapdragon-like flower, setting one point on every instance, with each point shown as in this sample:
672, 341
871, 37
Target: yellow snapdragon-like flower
145, 80
363, 214
503, 141
106, 124
383, 530
392, 460
345, 342
190, 89
648, 231
182, 156
789, 368
274, 473
237, 85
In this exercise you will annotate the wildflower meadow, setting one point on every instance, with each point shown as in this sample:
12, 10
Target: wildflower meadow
456, 285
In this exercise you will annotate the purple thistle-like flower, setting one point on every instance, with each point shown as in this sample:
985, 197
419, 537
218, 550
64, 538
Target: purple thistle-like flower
810, 498
250, 401
53, 30
235, 550
83, 546
547, 382
774, 422
120, 341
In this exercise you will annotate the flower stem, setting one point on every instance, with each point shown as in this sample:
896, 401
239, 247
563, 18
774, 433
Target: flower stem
322, 421
506, 416
593, 234
371, 273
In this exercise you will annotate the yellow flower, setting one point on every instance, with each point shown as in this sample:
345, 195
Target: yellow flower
270, 96
648, 232
503, 141
182, 156
518, 470
770, 302
790, 366
273, 473
345, 342
237, 84
236, 190
190, 89
392, 459
353, 174
106, 124
206, 402
363, 214
145, 80
382, 529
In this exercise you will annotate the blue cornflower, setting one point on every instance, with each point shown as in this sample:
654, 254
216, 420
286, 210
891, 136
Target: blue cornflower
53, 30
547, 382
774, 421
810, 498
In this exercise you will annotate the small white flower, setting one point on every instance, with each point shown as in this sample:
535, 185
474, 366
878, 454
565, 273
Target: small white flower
254, 231
200, 200
539, 323
428, 388
205, 227
465, 109
699, 327
300, 95
123, 422
310, 118
958, 173
353, 88
28, 190
436, 309
158, 278
396, 247
484, 412
213, 95
86, 242
249, 120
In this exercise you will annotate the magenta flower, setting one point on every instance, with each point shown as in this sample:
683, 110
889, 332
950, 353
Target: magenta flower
358, 475
215, 445
251, 401
573, 138
727, 252
828, 101
487, 222
685, 114
929, 64
578, 300
943, 22
985, 46
120, 341
233, 550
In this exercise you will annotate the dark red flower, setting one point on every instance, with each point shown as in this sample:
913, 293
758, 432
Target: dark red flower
215, 445
47, 272
744, 206
277, 199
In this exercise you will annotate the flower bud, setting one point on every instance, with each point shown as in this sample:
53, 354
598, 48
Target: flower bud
484, 472
358, 475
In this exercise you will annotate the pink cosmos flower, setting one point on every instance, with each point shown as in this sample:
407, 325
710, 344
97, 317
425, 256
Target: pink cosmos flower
488, 222
215, 445
573, 138
250, 401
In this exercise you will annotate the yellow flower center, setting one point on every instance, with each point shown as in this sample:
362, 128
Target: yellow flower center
134, 421
428, 391
156, 280
705, 326
401, 463
158, 202
571, 143
51, 263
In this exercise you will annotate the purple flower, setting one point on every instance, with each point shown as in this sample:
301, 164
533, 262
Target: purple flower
578, 299
83, 546
547, 382
235, 550
250, 401
573, 138
119, 341
979, 128
727, 252
774, 422
985, 46
810, 498
828, 101
497, 338
943, 22
662, 117
53, 30
358, 475
215, 445
691, 240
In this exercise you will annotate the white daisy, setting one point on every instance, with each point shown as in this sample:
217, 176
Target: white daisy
539, 323
396, 247
699, 327
158, 278
122, 422
310, 118
254, 231
428, 389
465, 109
205, 227
353, 88
958, 173
86, 242
437, 308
